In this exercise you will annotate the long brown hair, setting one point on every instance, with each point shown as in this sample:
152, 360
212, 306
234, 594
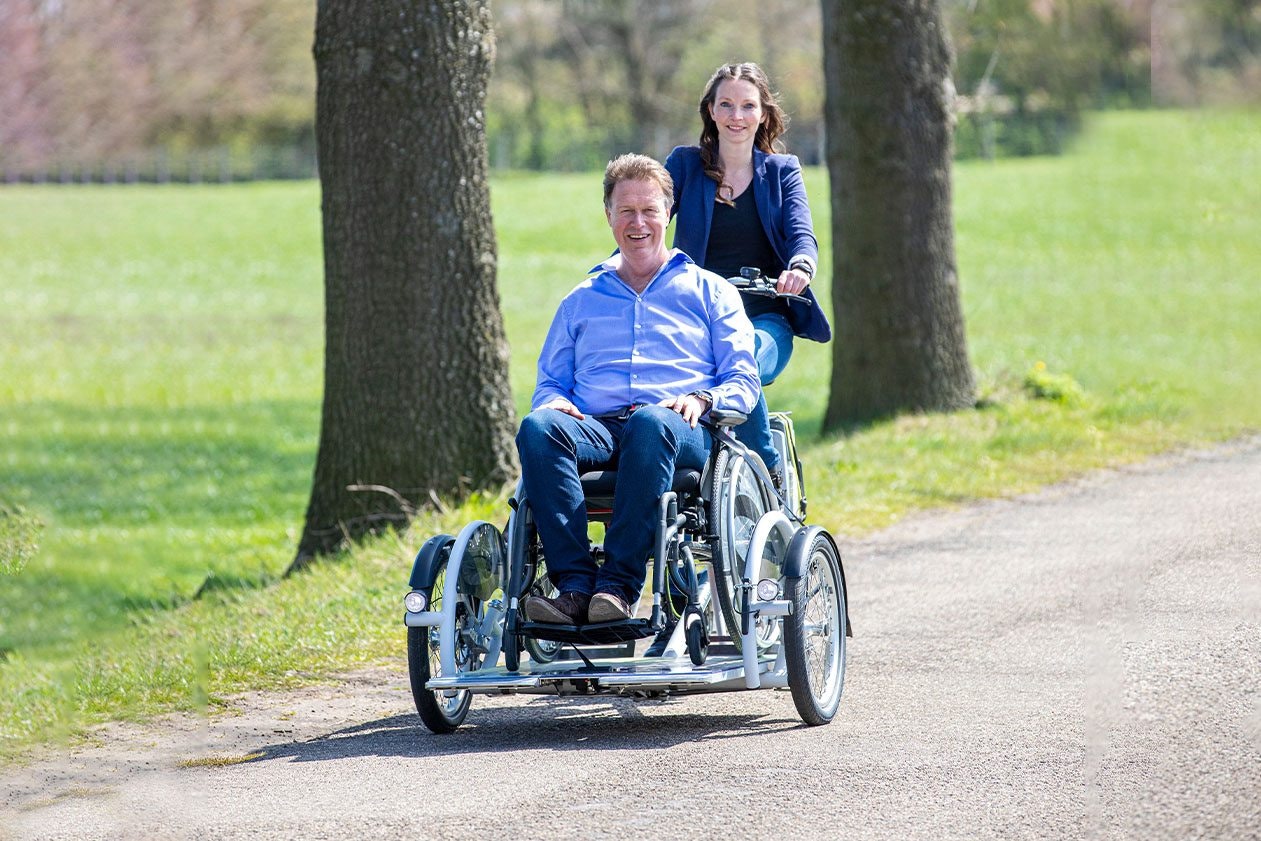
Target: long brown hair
774, 120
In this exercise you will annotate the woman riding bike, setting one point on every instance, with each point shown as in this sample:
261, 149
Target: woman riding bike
739, 203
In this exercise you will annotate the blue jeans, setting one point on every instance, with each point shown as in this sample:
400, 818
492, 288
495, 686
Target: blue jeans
773, 347
557, 448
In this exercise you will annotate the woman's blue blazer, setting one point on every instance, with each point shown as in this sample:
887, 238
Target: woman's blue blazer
780, 195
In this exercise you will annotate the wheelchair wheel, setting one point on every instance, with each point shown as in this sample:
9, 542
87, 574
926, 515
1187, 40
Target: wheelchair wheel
697, 639
739, 501
543, 651
814, 633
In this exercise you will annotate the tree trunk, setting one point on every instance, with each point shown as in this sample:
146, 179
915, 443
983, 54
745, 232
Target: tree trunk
900, 340
416, 394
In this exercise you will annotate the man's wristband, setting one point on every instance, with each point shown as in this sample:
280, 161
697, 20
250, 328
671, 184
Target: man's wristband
705, 395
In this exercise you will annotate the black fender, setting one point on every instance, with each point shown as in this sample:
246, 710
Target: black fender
431, 555
798, 555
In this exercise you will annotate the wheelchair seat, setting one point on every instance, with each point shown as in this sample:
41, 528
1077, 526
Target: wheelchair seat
598, 487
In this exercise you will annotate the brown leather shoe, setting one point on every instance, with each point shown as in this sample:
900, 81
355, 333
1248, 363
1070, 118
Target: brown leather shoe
565, 609
607, 607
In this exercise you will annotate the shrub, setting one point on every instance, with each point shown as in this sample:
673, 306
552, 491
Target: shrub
1041, 384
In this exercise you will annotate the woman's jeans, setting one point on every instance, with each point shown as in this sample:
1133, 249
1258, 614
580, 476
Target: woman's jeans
644, 448
773, 347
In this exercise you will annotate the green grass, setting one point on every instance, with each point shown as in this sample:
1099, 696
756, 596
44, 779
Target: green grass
160, 362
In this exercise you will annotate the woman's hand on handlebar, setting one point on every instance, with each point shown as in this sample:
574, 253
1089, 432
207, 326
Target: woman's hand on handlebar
792, 282
789, 285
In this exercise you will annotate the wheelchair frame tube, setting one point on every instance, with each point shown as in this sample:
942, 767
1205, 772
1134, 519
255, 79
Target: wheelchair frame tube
515, 540
770, 521
730, 442
667, 527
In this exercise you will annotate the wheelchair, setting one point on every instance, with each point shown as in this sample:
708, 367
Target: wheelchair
744, 595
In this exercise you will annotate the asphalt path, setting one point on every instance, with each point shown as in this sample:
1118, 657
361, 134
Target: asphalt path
1084, 662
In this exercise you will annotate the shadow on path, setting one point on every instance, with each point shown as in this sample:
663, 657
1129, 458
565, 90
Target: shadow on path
582, 723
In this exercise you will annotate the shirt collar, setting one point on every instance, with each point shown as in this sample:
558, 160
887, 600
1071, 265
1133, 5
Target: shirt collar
614, 262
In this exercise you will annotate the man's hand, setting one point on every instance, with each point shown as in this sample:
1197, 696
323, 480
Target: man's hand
792, 282
690, 406
561, 404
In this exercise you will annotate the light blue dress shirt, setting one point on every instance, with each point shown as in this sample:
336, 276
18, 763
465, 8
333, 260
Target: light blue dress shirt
609, 348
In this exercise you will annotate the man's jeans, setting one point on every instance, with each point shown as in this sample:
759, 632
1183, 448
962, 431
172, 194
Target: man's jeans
557, 448
773, 347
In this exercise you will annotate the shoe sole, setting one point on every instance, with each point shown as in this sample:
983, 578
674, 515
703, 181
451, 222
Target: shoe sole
605, 610
547, 614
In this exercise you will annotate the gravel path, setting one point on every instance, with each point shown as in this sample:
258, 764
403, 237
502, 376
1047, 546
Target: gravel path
1080, 663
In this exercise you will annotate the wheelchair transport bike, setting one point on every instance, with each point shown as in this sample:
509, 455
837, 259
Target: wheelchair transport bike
744, 595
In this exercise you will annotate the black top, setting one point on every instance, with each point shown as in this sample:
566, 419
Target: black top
737, 239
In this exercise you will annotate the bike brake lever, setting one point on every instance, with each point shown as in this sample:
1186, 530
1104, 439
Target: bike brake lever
766, 290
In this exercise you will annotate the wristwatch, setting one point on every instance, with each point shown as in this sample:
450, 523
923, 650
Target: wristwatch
704, 394
802, 265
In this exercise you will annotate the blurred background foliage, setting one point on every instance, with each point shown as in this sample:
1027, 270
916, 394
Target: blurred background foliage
154, 90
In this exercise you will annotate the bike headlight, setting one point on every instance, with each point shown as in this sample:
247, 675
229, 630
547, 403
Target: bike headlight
767, 590
415, 602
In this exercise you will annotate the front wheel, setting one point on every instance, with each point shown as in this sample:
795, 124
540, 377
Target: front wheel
443, 710
814, 633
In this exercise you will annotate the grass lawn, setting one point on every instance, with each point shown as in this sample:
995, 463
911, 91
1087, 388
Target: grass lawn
160, 364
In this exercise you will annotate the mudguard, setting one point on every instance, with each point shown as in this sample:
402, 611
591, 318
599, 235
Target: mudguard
425, 567
795, 562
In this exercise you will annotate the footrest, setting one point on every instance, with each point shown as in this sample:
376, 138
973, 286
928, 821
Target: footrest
600, 633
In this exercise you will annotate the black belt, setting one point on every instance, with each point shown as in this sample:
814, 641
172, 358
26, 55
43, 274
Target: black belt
622, 414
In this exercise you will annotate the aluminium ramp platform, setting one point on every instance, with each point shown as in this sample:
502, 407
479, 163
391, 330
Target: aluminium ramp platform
663, 675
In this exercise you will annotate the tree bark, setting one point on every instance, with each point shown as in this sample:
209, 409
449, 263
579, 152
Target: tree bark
416, 394
900, 338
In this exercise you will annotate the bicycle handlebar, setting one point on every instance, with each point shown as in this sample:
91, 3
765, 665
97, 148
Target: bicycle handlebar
752, 281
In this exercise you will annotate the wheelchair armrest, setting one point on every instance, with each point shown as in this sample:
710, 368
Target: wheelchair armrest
726, 417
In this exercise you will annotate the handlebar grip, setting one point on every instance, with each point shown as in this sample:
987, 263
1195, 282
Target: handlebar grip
764, 286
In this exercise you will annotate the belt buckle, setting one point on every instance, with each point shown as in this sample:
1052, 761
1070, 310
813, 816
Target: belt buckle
624, 413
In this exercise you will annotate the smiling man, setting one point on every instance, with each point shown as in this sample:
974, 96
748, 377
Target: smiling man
636, 354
